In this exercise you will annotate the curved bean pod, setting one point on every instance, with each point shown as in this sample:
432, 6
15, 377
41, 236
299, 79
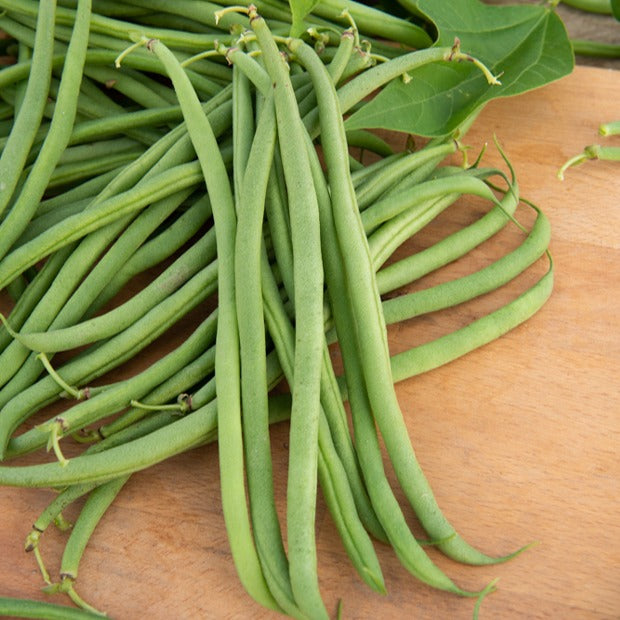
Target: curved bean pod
227, 353
24, 608
308, 284
367, 319
29, 117
57, 138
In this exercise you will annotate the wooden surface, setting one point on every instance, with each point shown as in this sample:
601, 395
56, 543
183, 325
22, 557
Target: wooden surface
519, 439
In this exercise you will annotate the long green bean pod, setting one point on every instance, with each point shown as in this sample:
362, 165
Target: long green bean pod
368, 322
308, 284
29, 117
227, 356
57, 138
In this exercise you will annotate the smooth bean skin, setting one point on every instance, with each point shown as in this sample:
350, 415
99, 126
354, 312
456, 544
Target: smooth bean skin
308, 285
250, 202
480, 282
121, 317
348, 323
110, 354
117, 397
57, 138
79, 225
450, 248
28, 119
227, 351
24, 608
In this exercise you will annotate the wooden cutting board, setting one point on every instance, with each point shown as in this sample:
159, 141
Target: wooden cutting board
518, 439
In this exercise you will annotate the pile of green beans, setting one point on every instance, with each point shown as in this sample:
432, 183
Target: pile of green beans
204, 177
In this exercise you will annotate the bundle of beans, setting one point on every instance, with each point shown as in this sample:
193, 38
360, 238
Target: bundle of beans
225, 181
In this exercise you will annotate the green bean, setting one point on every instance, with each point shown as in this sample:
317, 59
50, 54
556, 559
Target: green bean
16, 288
308, 285
29, 118
367, 141
42, 222
384, 502
341, 58
24, 608
252, 345
24, 53
332, 470
280, 225
404, 543
594, 6
344, 509
73, 268
36, 289
119, 123
175, 386
75, 154
206, 393
46, 314
337, 67
374, 368
278, 222
68, 174
383, 181
388, 208
88, 108
243, 128
71, 493
592, 151
442, 350
77, 226
343, 506
147, 94
249, 67
330, 399
450, 248
374, 22
369, 170
119, 29
611, 128
178, 22
384, 240
253, 155
57, 137
227, 355
391, 234
596, 49
93, 103
406, 547
467, 287
155, 250
429, 170
198, 12
188, 432
103, 358
139, 61
94, 508
86, 189
114, 321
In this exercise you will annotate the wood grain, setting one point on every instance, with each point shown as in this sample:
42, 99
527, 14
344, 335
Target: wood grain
519, 439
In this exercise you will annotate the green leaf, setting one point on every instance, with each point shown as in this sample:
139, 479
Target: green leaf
299, 10
526, 45
615, 9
